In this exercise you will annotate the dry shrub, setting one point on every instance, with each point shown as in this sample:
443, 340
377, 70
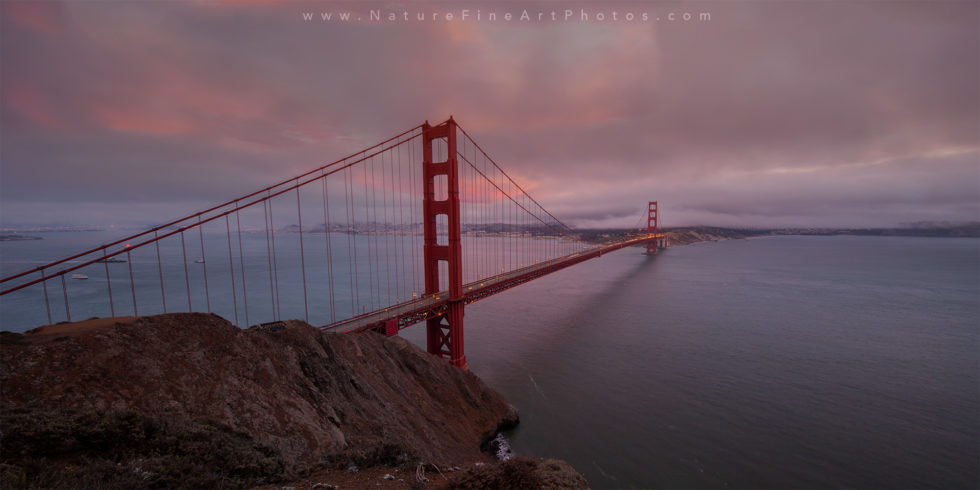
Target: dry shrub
101, 449
521, 473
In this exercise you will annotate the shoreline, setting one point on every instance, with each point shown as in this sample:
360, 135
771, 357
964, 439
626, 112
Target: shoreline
698, 234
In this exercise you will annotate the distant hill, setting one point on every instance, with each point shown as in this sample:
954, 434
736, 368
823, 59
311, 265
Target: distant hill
14, 237
925, 230
684, 235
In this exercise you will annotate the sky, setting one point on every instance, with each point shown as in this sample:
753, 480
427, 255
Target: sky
758, 114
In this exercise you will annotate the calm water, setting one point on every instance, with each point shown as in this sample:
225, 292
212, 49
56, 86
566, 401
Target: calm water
774, 362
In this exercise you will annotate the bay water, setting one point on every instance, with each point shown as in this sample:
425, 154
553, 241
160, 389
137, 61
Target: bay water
776, 362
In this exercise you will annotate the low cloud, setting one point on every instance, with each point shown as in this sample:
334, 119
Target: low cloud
769, 114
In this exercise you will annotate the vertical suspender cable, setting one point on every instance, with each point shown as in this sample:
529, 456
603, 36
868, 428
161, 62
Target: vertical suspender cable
302, 255
231, 270
108, 282
268, 254
401, 226
367, 221
64, 289
163, 294
187, 276
351, 235
241, 259
204, 262
326, 235
384, 229
132, 282
275, 262
47, 303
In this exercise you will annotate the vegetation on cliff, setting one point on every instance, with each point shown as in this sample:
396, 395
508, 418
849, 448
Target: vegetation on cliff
520, 472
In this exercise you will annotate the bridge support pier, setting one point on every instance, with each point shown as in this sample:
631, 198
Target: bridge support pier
445, 331
445, 335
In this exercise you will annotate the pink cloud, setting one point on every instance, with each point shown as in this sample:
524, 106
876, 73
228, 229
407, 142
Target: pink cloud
32, 103
42, 17
135, 121
575, 111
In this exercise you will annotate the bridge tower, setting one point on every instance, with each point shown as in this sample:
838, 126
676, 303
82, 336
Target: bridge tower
652, 222
444, 331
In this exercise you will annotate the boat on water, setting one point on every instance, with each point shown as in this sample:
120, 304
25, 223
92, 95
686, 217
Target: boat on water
79, 276
199, 261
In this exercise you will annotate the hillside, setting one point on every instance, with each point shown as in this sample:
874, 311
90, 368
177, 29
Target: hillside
191, 400
695, 234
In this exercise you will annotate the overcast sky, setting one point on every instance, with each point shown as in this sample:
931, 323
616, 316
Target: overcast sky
789, 113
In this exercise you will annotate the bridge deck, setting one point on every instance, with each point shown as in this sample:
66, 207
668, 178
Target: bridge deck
417, 310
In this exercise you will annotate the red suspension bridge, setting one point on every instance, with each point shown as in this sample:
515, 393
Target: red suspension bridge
410, 230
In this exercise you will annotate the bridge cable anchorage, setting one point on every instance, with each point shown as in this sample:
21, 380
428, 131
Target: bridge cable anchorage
480, 233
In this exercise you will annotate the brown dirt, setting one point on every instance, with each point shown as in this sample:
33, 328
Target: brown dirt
75, 328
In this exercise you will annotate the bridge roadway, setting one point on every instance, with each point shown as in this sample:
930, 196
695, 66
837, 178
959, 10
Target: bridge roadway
414, 311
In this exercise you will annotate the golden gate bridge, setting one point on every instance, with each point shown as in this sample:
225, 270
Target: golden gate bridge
481, 233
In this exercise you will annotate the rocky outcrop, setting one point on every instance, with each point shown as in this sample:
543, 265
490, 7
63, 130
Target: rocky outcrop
520, 473
310, 396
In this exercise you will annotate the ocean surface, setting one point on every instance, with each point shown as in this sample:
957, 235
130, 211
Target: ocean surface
778, 362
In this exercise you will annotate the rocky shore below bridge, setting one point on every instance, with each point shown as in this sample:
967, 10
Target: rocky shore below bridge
189, 401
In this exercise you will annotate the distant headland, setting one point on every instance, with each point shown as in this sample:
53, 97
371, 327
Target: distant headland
14, 237
684, 235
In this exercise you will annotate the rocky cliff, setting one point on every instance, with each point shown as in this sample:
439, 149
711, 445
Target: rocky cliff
285, 396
